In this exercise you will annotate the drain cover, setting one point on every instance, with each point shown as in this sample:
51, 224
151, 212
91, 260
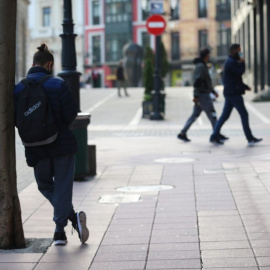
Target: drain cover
150, 188
175, 160
121, 198
220, 171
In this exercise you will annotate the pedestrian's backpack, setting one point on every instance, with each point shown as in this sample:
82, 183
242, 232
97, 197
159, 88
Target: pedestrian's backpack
34, 118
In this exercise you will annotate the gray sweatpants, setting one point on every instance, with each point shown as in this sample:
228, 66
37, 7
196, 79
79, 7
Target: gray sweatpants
205, 104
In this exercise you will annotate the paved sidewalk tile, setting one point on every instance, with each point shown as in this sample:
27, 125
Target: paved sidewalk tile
216, 216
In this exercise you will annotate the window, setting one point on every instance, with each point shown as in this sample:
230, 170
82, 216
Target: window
118, 11
145, 40
224, 5
96, 12
202, 8
146, 12
203, 39
96, 55
223, 10
114, 46
175, 11
224, 40
46, 12
175, 41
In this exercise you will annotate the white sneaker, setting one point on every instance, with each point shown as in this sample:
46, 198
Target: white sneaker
80, 226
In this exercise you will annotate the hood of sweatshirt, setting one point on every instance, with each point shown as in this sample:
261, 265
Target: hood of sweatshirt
198, 60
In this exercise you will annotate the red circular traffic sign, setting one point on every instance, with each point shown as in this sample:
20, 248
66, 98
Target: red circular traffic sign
156, 25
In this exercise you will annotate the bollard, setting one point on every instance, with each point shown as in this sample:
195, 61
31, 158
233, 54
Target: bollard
79, 129
92, 160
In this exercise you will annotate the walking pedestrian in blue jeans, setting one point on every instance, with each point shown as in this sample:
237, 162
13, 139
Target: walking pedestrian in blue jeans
54, 162
234, 88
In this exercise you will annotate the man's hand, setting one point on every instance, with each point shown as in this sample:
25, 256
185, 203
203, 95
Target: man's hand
248, 88
196, 100
216, 94
242, 60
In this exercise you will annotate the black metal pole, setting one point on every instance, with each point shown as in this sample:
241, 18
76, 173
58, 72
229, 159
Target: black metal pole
157, 83
69, 61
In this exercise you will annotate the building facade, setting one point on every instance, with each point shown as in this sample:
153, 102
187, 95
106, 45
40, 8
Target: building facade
45, 25
199, 23
110, 24
250, 28
21, 39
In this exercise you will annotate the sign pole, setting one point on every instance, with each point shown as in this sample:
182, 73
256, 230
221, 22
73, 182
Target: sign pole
156, 25
156, 114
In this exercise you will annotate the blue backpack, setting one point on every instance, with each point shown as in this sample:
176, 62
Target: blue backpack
34, 118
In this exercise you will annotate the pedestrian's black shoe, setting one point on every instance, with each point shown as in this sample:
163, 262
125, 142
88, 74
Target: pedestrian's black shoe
215, 140
183, 137
222, 138
254, 141
60, 239
79, 224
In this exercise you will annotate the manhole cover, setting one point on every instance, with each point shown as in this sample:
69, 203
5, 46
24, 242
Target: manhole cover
175, 160
150, 188
121, 198
220, 171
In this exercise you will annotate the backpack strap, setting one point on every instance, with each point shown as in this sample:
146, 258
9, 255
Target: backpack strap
43, 79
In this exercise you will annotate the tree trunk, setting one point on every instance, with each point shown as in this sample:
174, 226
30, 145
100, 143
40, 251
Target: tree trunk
11, 230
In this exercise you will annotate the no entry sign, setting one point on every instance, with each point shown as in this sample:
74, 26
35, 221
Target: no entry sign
156, 25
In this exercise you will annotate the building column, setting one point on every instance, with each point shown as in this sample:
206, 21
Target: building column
260, 39
266, 11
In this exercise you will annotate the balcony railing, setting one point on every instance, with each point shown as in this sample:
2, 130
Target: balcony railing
223, 50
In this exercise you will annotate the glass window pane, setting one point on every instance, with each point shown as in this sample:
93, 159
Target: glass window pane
96, 12
175, 49
202, 6
96, 52
46, 16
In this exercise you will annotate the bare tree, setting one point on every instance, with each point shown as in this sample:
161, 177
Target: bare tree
11, 231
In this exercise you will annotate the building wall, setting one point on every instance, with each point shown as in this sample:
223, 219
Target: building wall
188, 26
21, 39
51, 34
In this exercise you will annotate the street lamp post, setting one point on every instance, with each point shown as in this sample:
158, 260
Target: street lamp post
156, 115
72, 78
69, 61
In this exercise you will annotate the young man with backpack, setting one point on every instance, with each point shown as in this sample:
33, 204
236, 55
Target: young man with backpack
44, 109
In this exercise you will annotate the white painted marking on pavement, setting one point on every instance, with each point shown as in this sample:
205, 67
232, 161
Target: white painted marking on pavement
101, 102
257, 113
136, 119
156, 24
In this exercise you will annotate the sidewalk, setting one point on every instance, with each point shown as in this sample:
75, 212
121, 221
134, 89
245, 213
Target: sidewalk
215, 214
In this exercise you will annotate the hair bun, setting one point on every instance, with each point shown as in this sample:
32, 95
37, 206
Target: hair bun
42, 47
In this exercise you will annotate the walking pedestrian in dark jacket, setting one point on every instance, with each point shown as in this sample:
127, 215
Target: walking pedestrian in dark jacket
234, 88
121, 81
202, 100
54, 163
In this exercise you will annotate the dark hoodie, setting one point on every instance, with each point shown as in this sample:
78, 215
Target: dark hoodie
232, 77
64, 111
201, 79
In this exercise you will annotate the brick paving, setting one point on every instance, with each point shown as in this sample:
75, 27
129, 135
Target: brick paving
216, 216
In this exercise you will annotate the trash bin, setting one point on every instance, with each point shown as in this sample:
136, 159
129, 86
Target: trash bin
79, 129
